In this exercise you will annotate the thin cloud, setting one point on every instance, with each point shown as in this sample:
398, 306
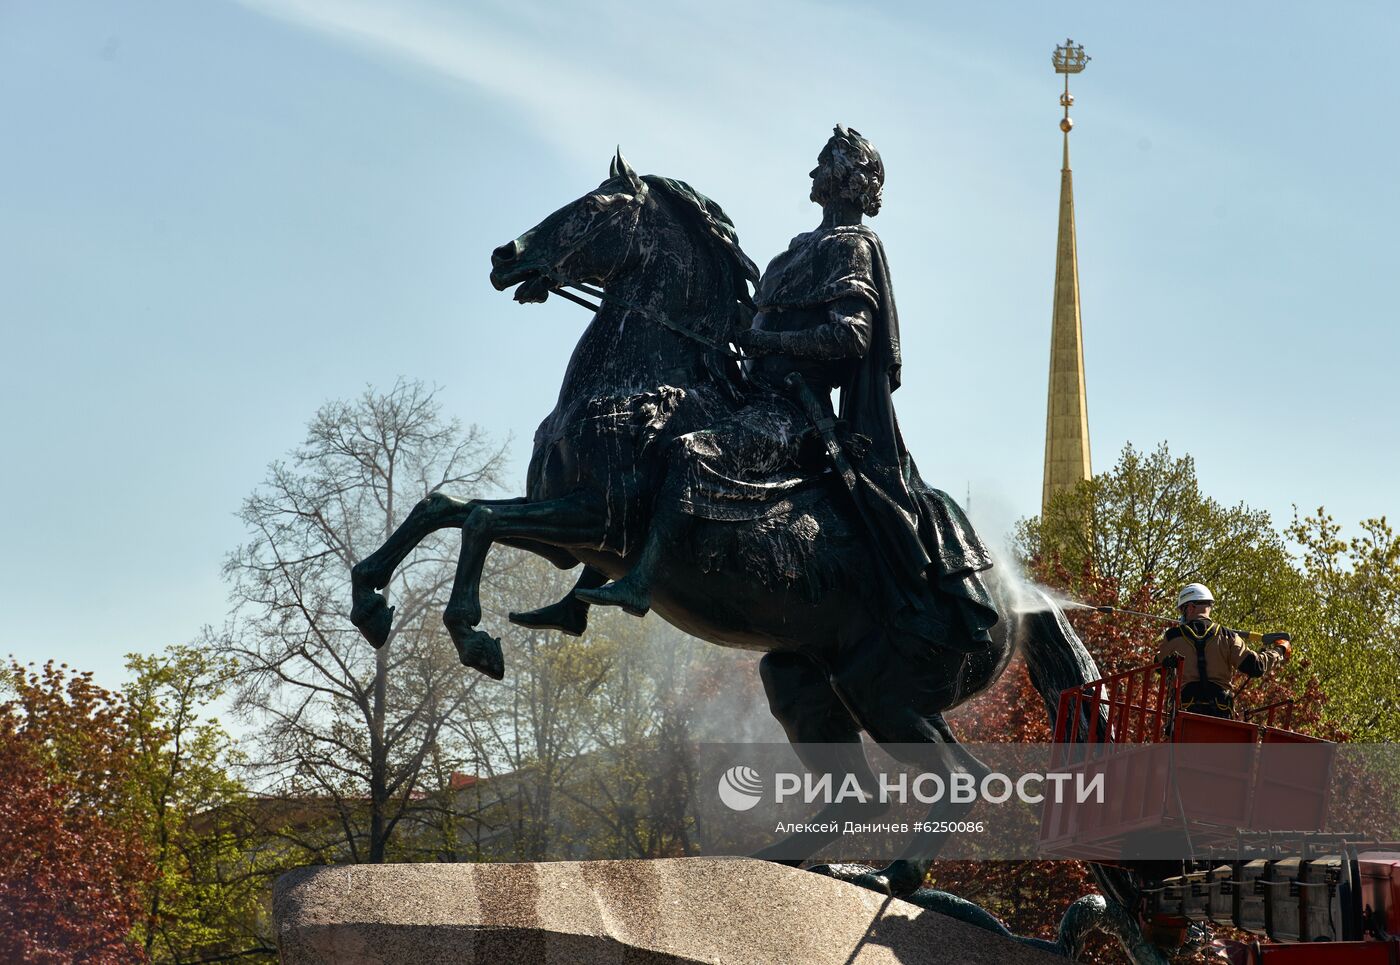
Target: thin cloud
456, 47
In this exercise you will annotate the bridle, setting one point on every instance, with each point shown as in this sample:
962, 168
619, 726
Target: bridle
558, 281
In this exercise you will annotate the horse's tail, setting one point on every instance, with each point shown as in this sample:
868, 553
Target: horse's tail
1055, 656
1057, 660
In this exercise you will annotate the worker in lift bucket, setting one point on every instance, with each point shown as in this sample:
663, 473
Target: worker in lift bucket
1209, 654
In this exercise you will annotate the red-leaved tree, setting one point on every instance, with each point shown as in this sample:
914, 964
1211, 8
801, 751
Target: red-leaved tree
72, 860
1030, 896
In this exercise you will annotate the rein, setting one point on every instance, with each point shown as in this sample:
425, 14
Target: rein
557, 286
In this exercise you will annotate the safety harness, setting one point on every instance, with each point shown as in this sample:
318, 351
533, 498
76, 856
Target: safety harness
1203, 695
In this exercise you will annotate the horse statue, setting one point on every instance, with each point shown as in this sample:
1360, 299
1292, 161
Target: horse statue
652, 365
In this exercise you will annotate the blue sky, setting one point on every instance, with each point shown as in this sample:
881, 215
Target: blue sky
214, 216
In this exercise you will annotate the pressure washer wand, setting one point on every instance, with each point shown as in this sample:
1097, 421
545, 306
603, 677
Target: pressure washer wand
1136, 613
1114, 609
1249, 635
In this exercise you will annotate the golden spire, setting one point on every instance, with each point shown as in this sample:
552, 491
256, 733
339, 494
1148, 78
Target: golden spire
1067, 409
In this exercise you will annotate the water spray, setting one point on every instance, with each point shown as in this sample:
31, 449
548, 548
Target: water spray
1250, 636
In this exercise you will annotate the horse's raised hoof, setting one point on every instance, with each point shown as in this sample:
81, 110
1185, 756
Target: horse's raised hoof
567, 616
372, 616
898, 880
482, 652
635, 602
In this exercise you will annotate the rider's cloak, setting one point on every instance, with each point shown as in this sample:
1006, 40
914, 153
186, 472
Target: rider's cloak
921, 528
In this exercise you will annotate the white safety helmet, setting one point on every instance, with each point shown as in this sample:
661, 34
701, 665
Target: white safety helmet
1194, 593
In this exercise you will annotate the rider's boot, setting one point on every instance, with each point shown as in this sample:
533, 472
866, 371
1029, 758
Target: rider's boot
633, 592
568, 615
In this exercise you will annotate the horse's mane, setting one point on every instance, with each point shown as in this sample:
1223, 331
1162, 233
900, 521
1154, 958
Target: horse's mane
707, 216
708, 220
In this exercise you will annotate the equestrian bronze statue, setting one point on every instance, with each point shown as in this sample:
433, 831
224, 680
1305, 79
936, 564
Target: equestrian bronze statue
694, 464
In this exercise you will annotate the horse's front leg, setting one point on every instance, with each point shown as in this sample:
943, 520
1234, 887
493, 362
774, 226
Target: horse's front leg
369, 611
574, 521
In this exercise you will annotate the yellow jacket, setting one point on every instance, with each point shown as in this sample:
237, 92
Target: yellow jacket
1225, 652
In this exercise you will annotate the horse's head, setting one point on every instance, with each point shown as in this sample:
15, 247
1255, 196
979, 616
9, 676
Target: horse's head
588, 240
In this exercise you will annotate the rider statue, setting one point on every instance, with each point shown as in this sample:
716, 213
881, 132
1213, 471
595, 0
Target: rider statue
825, 320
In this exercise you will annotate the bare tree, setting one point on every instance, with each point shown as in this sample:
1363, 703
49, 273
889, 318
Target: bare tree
528, 733
586, 746
343, 725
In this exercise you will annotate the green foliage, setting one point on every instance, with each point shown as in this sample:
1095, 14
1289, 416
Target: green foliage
1146, 523
1353, 626
208, 896
1144, 529
123, 836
